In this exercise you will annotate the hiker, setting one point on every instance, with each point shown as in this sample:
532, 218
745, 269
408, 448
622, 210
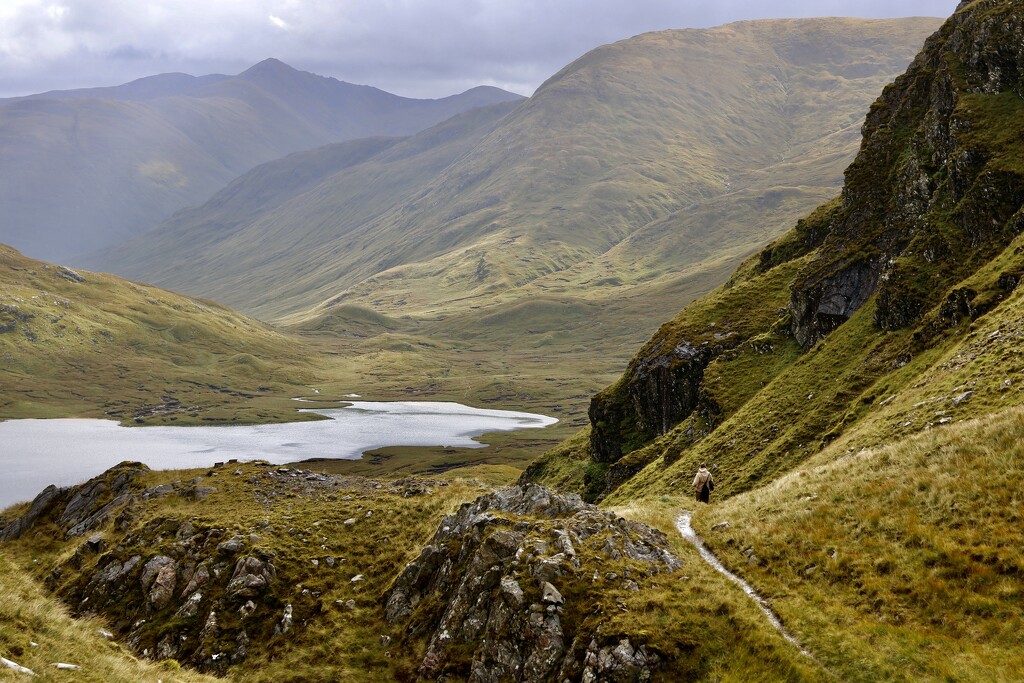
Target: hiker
703, 484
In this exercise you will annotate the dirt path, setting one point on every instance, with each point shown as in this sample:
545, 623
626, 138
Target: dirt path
687, 532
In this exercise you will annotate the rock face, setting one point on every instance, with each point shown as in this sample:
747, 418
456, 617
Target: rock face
660, 388
929, 197
42, 504
170, 589
492, 587
82, 508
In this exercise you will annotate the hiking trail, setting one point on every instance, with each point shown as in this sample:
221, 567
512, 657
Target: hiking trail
687, 532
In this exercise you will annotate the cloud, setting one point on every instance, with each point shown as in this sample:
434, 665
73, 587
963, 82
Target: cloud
413, 47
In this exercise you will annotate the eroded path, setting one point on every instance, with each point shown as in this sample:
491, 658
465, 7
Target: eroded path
687, 532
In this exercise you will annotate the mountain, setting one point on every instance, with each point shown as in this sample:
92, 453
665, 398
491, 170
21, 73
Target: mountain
291, 206
87, 344
856, 385
724, 136
88, 168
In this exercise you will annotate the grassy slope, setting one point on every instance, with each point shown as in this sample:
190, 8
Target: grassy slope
900, 562
863, 385
109, 347
89, 168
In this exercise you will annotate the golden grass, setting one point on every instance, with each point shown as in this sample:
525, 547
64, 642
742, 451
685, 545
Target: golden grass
710, 613
30, 615
897, 563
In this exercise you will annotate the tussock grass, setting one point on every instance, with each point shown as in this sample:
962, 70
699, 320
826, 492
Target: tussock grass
30, 615
902, 562
706, 613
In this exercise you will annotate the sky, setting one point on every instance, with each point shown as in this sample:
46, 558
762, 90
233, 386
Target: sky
416, 48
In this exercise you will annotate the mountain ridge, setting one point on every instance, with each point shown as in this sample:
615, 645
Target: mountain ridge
93, 166
603, 148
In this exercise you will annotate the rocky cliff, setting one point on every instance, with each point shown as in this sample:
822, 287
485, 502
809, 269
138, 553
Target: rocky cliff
920, 243
935, 191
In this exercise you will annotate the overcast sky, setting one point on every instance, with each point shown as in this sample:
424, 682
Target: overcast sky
418, 48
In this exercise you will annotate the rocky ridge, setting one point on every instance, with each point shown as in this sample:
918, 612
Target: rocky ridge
929, 198
514, 587
178, 587
919, 234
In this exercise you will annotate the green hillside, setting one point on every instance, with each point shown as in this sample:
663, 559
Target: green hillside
87, 344
856, 387
612, 158
89, 168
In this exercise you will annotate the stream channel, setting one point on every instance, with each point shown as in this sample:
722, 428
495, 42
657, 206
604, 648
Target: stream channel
36, 453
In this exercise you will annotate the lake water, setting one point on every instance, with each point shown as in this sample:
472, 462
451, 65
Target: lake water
36, 453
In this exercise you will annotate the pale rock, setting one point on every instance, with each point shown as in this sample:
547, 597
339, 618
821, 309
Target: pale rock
550, 594
16, 667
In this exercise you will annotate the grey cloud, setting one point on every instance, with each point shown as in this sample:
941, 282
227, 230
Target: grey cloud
425, 48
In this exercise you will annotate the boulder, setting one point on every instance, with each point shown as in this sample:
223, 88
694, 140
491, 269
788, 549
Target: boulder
48, 498
162, 591
190, 607
232, 546
550, 595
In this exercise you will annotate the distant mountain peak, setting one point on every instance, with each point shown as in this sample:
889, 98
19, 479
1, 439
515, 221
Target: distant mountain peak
270, 65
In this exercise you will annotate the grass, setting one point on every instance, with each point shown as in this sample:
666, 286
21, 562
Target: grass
28, 615
729, 635
896, 563
331, 642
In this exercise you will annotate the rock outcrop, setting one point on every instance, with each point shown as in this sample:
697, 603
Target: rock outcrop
173, 582
931, 194
81, 508
490, 590
661, 387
